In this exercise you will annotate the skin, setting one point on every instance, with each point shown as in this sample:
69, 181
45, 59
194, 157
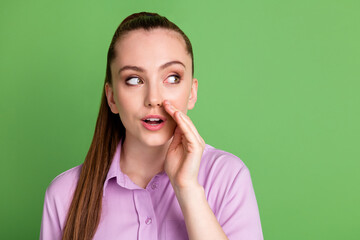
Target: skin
158, 60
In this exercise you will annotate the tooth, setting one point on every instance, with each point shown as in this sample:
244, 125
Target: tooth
153, 119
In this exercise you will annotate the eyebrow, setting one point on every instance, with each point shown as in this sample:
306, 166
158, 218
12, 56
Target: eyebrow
139, 69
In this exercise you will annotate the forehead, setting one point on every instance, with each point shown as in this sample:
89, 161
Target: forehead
151, 48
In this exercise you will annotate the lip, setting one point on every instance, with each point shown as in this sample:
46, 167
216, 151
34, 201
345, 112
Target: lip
153, 127
154, 116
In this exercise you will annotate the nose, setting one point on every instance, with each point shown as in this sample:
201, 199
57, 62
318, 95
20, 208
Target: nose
153, 96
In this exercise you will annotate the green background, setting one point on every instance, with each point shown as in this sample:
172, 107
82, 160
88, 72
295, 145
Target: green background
278, 87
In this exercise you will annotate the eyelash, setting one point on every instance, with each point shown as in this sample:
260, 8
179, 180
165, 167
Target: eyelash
139, 79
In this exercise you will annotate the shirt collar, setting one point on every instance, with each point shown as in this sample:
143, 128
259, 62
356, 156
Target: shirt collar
115, 172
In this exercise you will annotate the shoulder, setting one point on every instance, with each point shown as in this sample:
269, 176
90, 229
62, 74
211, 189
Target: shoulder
225, 179
221, 172
58, 197
221, 161
63, 184
230, 194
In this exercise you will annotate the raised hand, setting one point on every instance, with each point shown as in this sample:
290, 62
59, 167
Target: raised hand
184, 154
182, 167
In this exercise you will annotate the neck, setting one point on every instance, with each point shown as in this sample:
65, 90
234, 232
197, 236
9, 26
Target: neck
140, 161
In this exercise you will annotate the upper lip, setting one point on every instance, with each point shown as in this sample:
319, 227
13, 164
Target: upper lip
154, 116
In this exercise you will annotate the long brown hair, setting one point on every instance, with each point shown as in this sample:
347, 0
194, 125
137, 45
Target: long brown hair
85, 210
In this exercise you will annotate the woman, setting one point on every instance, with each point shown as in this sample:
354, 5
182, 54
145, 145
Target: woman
148, 173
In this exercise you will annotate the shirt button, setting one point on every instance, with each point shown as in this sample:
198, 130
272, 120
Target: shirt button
148, 221
154, 185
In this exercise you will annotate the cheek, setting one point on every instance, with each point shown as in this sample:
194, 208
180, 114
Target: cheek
179, 100
127, 107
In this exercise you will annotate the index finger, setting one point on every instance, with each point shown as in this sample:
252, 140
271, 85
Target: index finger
183, 120
169, 108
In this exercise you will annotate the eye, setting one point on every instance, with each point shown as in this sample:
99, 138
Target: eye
133, 81
173, 79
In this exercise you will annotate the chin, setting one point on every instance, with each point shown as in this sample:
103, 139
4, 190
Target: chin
157, 140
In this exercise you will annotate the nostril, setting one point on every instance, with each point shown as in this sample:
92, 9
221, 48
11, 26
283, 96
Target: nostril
157, 104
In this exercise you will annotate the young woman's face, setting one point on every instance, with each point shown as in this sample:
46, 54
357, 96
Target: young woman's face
150, 67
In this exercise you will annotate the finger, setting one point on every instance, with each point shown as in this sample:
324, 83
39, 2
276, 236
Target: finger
172, 110
185, 128
169, 108
192, 127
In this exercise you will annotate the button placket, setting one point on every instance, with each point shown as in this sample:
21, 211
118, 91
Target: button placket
155, 185
146, 214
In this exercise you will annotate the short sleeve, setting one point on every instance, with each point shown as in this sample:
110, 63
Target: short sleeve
50, 224
58, 197
240, 217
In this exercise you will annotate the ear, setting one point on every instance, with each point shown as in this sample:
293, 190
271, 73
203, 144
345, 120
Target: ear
110, 98
193, 94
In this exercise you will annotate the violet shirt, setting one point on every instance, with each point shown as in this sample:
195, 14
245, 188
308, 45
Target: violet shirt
131, 212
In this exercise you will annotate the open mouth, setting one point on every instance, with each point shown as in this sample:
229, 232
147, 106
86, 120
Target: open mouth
153, 121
